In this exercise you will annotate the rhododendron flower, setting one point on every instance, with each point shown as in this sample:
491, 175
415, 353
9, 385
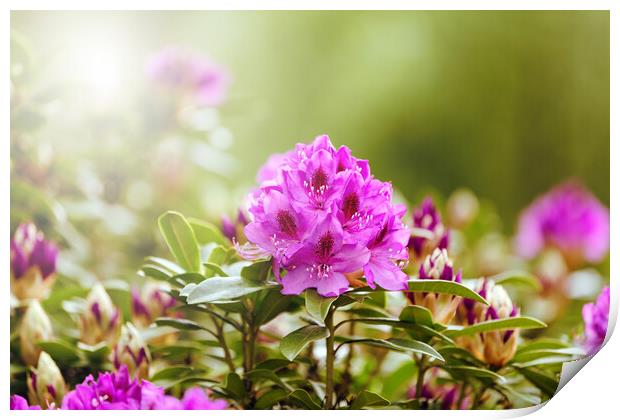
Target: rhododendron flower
322, 217
100, 319
429, 232
190, 74
595, 319
33, 263
35, 326
151, 302
438, 266
568, 218
118, 391
20, 403
494, 347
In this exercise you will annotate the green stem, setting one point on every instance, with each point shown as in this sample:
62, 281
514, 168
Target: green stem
419, 387
329, 363
222, 340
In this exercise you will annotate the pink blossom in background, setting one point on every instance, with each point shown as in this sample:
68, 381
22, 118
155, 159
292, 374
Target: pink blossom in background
190, 73
595, 319
568, 218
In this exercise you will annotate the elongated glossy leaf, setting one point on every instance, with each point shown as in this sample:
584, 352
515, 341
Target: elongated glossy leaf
181, 240
179, 324
184, 279
521, 322
96, 353
517, 278
258, 271
207, 233
222, 289
445, 286
216, 269
417, 315
543, 381
477, 372
574, 353
173, 372
368, 399
270, 398
317, 305
295, 342
258, 375
233, 385
302, 398
269, 304
60, 351
397, 344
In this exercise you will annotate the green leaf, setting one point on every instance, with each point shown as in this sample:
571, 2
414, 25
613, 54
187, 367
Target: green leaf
397, 344
258, 375
521, 322
60, 351
95, 354
301, 397
533, 354
215, 269
179, 324
172, 372
269, 304
270, 398
218, 256
207, 233
368, 399
475, 372
233, 385
273, 364
417, 315
445, 286
517, 278
543, 381
160, 268
257, 271
223, 288
295, 342
317, 305
397, 381
181, 240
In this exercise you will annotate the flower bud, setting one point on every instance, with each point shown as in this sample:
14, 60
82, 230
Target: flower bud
494, 347
442, 306
132, 352
100, 319
233, 229
150, 303
33, 263
461, 208
46, 386
429, 232
35, 327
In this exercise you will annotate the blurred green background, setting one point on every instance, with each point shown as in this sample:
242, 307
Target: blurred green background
505, 103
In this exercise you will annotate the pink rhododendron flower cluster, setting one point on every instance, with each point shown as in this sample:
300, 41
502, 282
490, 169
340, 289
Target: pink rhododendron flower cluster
118, 391
595, 318
324, 218
568, 218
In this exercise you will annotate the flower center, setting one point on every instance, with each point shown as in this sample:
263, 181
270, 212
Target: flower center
325, 246
286, 222
350, 205
319, 179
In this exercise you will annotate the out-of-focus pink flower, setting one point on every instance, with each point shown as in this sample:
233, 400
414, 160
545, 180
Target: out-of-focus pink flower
595, 319
197, 399
33, 263
568, 218
190, 74
322, 216
20, 403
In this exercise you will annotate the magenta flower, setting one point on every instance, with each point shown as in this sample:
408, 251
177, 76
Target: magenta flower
568, 218
20, 403
323, 261
118, 391
595, 319
33, 263
322, 216
429, 232
190, 74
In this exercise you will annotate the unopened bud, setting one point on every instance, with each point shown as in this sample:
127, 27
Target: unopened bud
132, 352
100, 319
46, 386
35, 327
